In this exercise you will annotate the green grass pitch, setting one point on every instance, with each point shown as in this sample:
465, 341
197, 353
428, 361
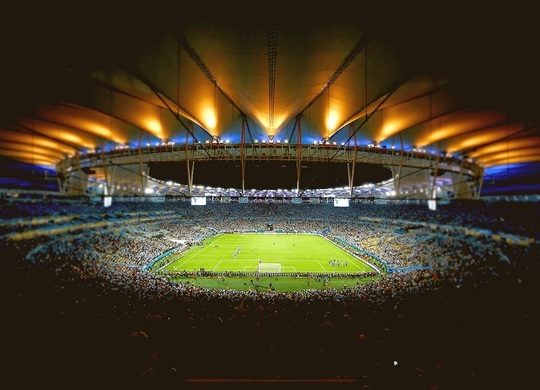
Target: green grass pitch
296, 253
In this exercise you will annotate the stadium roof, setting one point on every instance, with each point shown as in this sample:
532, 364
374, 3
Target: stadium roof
459, 81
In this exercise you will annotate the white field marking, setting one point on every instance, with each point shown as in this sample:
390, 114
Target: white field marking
192, 257
324, 269
180, 266
294, 269
273, 260
213, 269
218, 238
264, 260
350, 262
227, 246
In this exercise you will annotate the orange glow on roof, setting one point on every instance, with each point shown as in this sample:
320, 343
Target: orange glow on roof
389, 128
154, 127
505, 145
332, 120
54, 153
209, 118
513, 160
29, 156
512, 154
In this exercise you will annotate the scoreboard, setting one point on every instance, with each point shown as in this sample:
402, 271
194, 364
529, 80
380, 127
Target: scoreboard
341, 202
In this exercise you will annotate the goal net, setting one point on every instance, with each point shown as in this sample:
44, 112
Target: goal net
269, 267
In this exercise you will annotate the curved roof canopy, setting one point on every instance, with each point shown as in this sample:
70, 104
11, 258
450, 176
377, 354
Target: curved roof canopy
461, 82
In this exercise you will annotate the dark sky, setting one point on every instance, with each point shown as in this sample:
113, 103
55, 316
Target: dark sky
270, 174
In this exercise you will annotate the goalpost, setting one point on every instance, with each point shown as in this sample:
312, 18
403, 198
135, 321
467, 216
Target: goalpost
269, 267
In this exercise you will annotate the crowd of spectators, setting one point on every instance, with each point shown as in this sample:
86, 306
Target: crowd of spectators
456, 312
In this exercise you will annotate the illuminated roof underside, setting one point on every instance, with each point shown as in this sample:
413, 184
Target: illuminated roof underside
346, 77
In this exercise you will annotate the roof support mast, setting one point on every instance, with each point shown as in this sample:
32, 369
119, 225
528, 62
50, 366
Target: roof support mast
243, 153
351, 171
298, 152
192, 168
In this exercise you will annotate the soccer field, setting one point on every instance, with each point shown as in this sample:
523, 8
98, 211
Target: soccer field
249, 252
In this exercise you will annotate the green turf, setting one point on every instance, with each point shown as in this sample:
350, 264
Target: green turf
273, 283
296, 253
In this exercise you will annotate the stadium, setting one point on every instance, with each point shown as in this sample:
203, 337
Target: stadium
219, 198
